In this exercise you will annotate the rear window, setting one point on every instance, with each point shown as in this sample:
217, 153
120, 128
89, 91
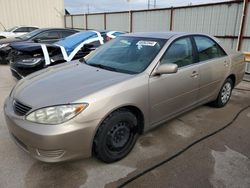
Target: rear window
207, 48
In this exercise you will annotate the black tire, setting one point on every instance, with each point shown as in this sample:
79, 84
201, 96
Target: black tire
116, 136
1, 37
224, 96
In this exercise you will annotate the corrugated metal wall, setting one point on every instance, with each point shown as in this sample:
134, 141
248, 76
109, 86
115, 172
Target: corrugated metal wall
41, 13
151, 21
96, 21
246, 42
117, 21
218, 19
78, 21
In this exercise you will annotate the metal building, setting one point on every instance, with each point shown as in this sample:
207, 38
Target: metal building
229, 21
41, 13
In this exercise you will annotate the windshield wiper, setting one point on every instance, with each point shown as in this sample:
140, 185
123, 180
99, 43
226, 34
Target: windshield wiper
104, 67
82, 60
111, 68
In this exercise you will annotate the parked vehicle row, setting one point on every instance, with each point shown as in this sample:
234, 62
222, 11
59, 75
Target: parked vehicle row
26, 57
45, 35
99, 105
16, 31
49, 46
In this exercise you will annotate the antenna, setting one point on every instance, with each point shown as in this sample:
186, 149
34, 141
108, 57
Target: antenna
2, 26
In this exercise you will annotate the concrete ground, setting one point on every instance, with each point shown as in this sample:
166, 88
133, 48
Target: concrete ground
219, 161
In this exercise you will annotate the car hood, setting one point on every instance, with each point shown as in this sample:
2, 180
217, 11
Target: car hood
6, 34
27, 46
64, 84
9, 40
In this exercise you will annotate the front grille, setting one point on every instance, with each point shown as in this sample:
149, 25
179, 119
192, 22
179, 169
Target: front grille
20, 108
13, 55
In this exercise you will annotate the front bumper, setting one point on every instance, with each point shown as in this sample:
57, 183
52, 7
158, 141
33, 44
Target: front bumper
20, 72
16, 74
4, 56
51, 143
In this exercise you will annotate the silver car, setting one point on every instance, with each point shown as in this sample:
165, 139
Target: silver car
99, 105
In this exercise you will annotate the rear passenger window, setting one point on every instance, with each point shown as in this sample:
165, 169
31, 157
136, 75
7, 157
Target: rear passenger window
22, 30
67, 33
32, 28
180, 52
207, 48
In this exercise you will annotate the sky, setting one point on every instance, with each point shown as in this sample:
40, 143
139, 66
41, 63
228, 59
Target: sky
85, 6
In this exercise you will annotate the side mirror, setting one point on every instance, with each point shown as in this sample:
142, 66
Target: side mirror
37, 40
166, 69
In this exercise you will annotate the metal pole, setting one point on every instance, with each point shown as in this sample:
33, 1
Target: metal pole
72, 24
154, 3
130, 21
86, 21
105, 21
171, 18
148, 4
242, 24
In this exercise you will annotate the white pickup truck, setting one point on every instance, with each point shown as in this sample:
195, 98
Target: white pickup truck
16, 31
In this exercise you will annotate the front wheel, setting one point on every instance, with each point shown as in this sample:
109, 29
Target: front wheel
224, 95
116, 136
1, 37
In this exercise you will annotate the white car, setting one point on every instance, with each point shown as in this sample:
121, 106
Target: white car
16, 31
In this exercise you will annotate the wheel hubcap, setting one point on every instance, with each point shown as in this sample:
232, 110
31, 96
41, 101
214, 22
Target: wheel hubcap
226, 92
118, 136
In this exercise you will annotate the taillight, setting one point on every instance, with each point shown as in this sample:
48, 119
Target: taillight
108, 38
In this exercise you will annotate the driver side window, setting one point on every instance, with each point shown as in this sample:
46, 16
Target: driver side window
48, 35
180, 52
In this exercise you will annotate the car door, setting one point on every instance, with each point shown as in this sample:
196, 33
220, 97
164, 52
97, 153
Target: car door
214, 65
172, 93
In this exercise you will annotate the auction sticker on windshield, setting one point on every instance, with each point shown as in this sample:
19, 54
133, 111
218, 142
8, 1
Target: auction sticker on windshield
146, 43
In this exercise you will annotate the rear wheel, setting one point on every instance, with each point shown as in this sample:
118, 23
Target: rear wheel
1, 37
116, 136
224, 95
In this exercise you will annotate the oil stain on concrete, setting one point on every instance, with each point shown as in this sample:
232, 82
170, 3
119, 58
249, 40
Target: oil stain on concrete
180, 128
83, 173
55, 175
231, 169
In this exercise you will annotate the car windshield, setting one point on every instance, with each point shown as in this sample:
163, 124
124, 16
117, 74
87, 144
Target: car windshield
11, 29
29, 35
126, 54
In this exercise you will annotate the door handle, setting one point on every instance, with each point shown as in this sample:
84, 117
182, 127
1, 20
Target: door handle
194, 74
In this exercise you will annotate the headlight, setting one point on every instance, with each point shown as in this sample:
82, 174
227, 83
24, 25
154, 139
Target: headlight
4, 45
30, 61
56, 114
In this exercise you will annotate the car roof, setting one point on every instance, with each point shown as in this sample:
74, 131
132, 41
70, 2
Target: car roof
48, 29
160, 35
